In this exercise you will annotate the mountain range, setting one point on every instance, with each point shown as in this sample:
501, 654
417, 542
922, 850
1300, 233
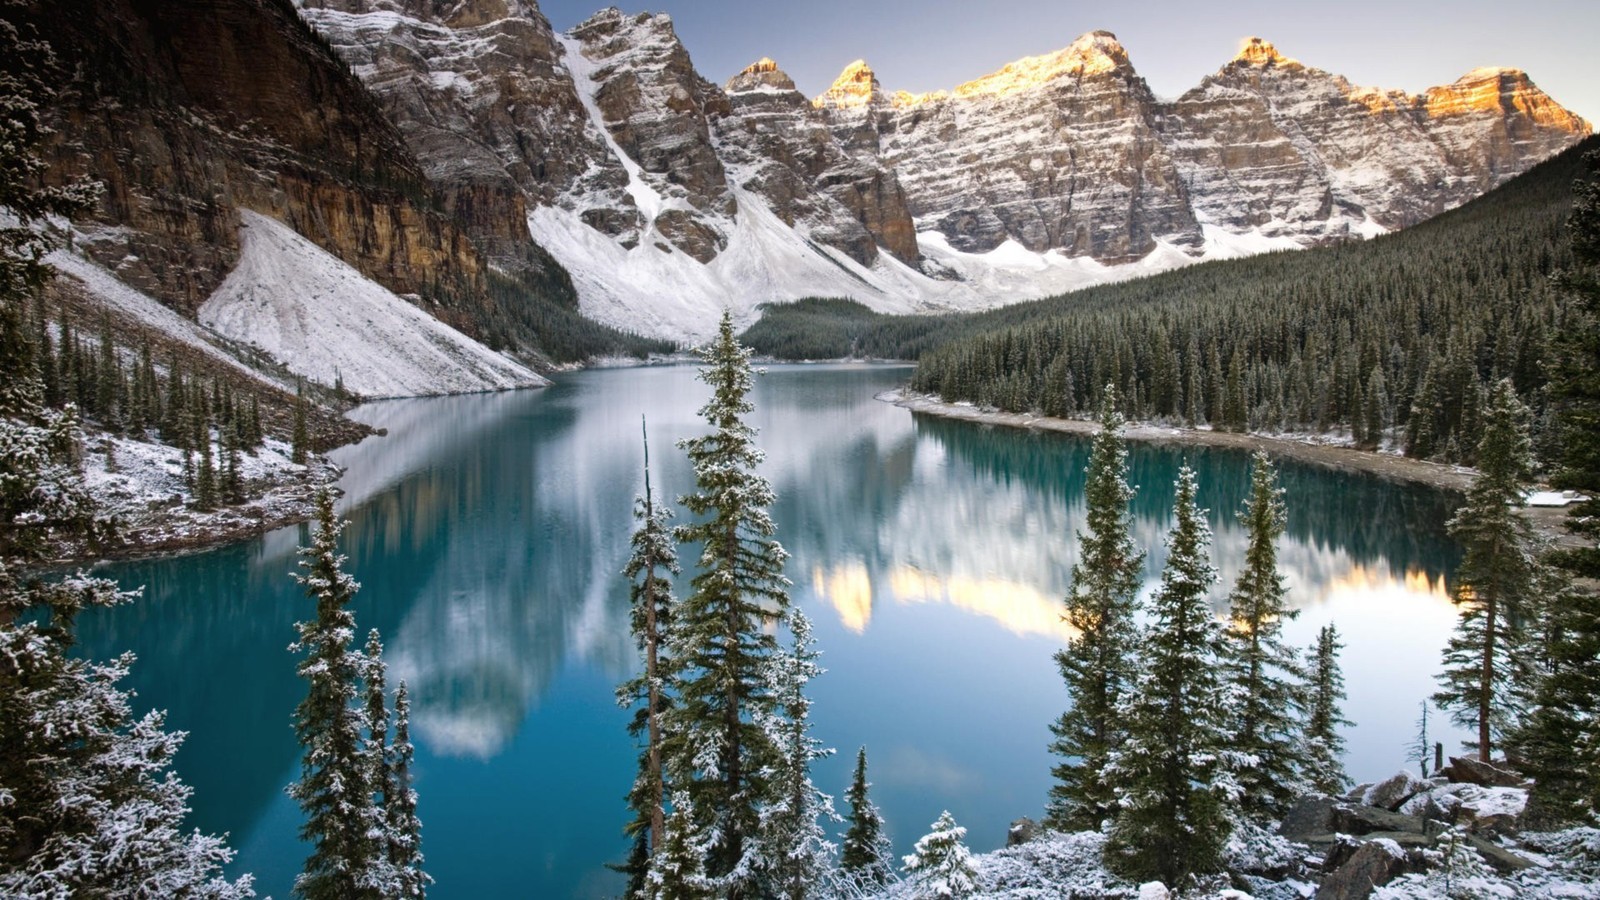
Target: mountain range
481, 165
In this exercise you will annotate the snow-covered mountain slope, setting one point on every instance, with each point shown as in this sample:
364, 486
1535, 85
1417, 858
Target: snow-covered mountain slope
320, 318
669, 199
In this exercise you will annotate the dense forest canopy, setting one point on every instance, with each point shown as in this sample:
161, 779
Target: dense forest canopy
1393, 339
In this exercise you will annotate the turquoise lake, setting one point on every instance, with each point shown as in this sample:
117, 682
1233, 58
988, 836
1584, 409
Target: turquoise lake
488, 533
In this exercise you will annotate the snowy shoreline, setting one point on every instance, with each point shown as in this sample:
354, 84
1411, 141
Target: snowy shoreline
1313, 449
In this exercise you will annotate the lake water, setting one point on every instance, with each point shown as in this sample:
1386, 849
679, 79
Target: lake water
488, 533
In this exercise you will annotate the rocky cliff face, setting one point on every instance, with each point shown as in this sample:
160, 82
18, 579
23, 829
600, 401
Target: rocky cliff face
1270, 143
646, 179
188, 111
1054, 152
1071, 152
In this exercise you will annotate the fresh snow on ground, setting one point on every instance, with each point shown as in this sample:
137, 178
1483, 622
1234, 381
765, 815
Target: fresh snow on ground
116, 294
322, 319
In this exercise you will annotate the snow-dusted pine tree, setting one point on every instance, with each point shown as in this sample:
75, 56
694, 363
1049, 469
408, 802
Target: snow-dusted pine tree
404, 829
1263, 675
865, 861
89, 806
940, 867
717, 752
1324, 688
1172, 775
335, 787
798, 852
677, 867
380, 771
649, 572
1499, 583
1097, 664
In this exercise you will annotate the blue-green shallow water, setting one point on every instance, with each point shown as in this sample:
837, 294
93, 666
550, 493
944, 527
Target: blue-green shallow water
487, 532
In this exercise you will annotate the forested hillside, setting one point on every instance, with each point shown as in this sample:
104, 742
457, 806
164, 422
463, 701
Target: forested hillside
1394, 337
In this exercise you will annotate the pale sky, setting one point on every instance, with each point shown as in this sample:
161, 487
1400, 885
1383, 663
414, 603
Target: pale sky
933, 44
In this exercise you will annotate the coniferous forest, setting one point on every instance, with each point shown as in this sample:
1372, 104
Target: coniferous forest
1394, 339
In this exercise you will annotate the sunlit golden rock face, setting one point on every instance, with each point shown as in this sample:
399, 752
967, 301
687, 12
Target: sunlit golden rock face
1095, 53
1257, 52
763, 74
1502, 92
857, 86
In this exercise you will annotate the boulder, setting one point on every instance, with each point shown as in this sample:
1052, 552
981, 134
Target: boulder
1310, 816
1465, 770
1021, 831
1504, 861
1393, 791
1372, 865
1495, 811
1360, 820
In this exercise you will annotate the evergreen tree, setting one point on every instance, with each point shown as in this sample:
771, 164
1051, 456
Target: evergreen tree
300, 440
798, 850
90, 805
335, 787
1097, 664
1561, 740
380, 765
1324, 747
1173, 786
1498, 583
941, 865
404, 829
205, 492
649, 572
1262, 674
865, 861
677, 867
717, 753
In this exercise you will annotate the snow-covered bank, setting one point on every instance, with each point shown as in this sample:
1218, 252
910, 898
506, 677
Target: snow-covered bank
322, 319
1323, 450
141, 485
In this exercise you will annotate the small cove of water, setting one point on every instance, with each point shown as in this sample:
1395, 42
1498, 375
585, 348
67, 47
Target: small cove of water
488, 533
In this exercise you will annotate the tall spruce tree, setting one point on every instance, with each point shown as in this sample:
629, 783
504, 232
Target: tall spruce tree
1097, 664
865, 860
1262, 674
335, 787
1498, 584
798, 851
1324, 746
404, 829
649, 572
1172, 772
1560, 744
717, 753
380, 763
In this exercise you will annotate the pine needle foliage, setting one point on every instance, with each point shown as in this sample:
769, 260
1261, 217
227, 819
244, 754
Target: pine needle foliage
1560, 743
1262, 674
940, 866
649, 571
865, 860
1097, 664
1172, 772
798, 852
1324, 746
1498, 584
335, 790
718, 754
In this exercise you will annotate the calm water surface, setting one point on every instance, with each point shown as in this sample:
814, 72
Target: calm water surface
488, 533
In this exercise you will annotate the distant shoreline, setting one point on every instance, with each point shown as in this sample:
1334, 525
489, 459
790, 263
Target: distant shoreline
1391, 466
